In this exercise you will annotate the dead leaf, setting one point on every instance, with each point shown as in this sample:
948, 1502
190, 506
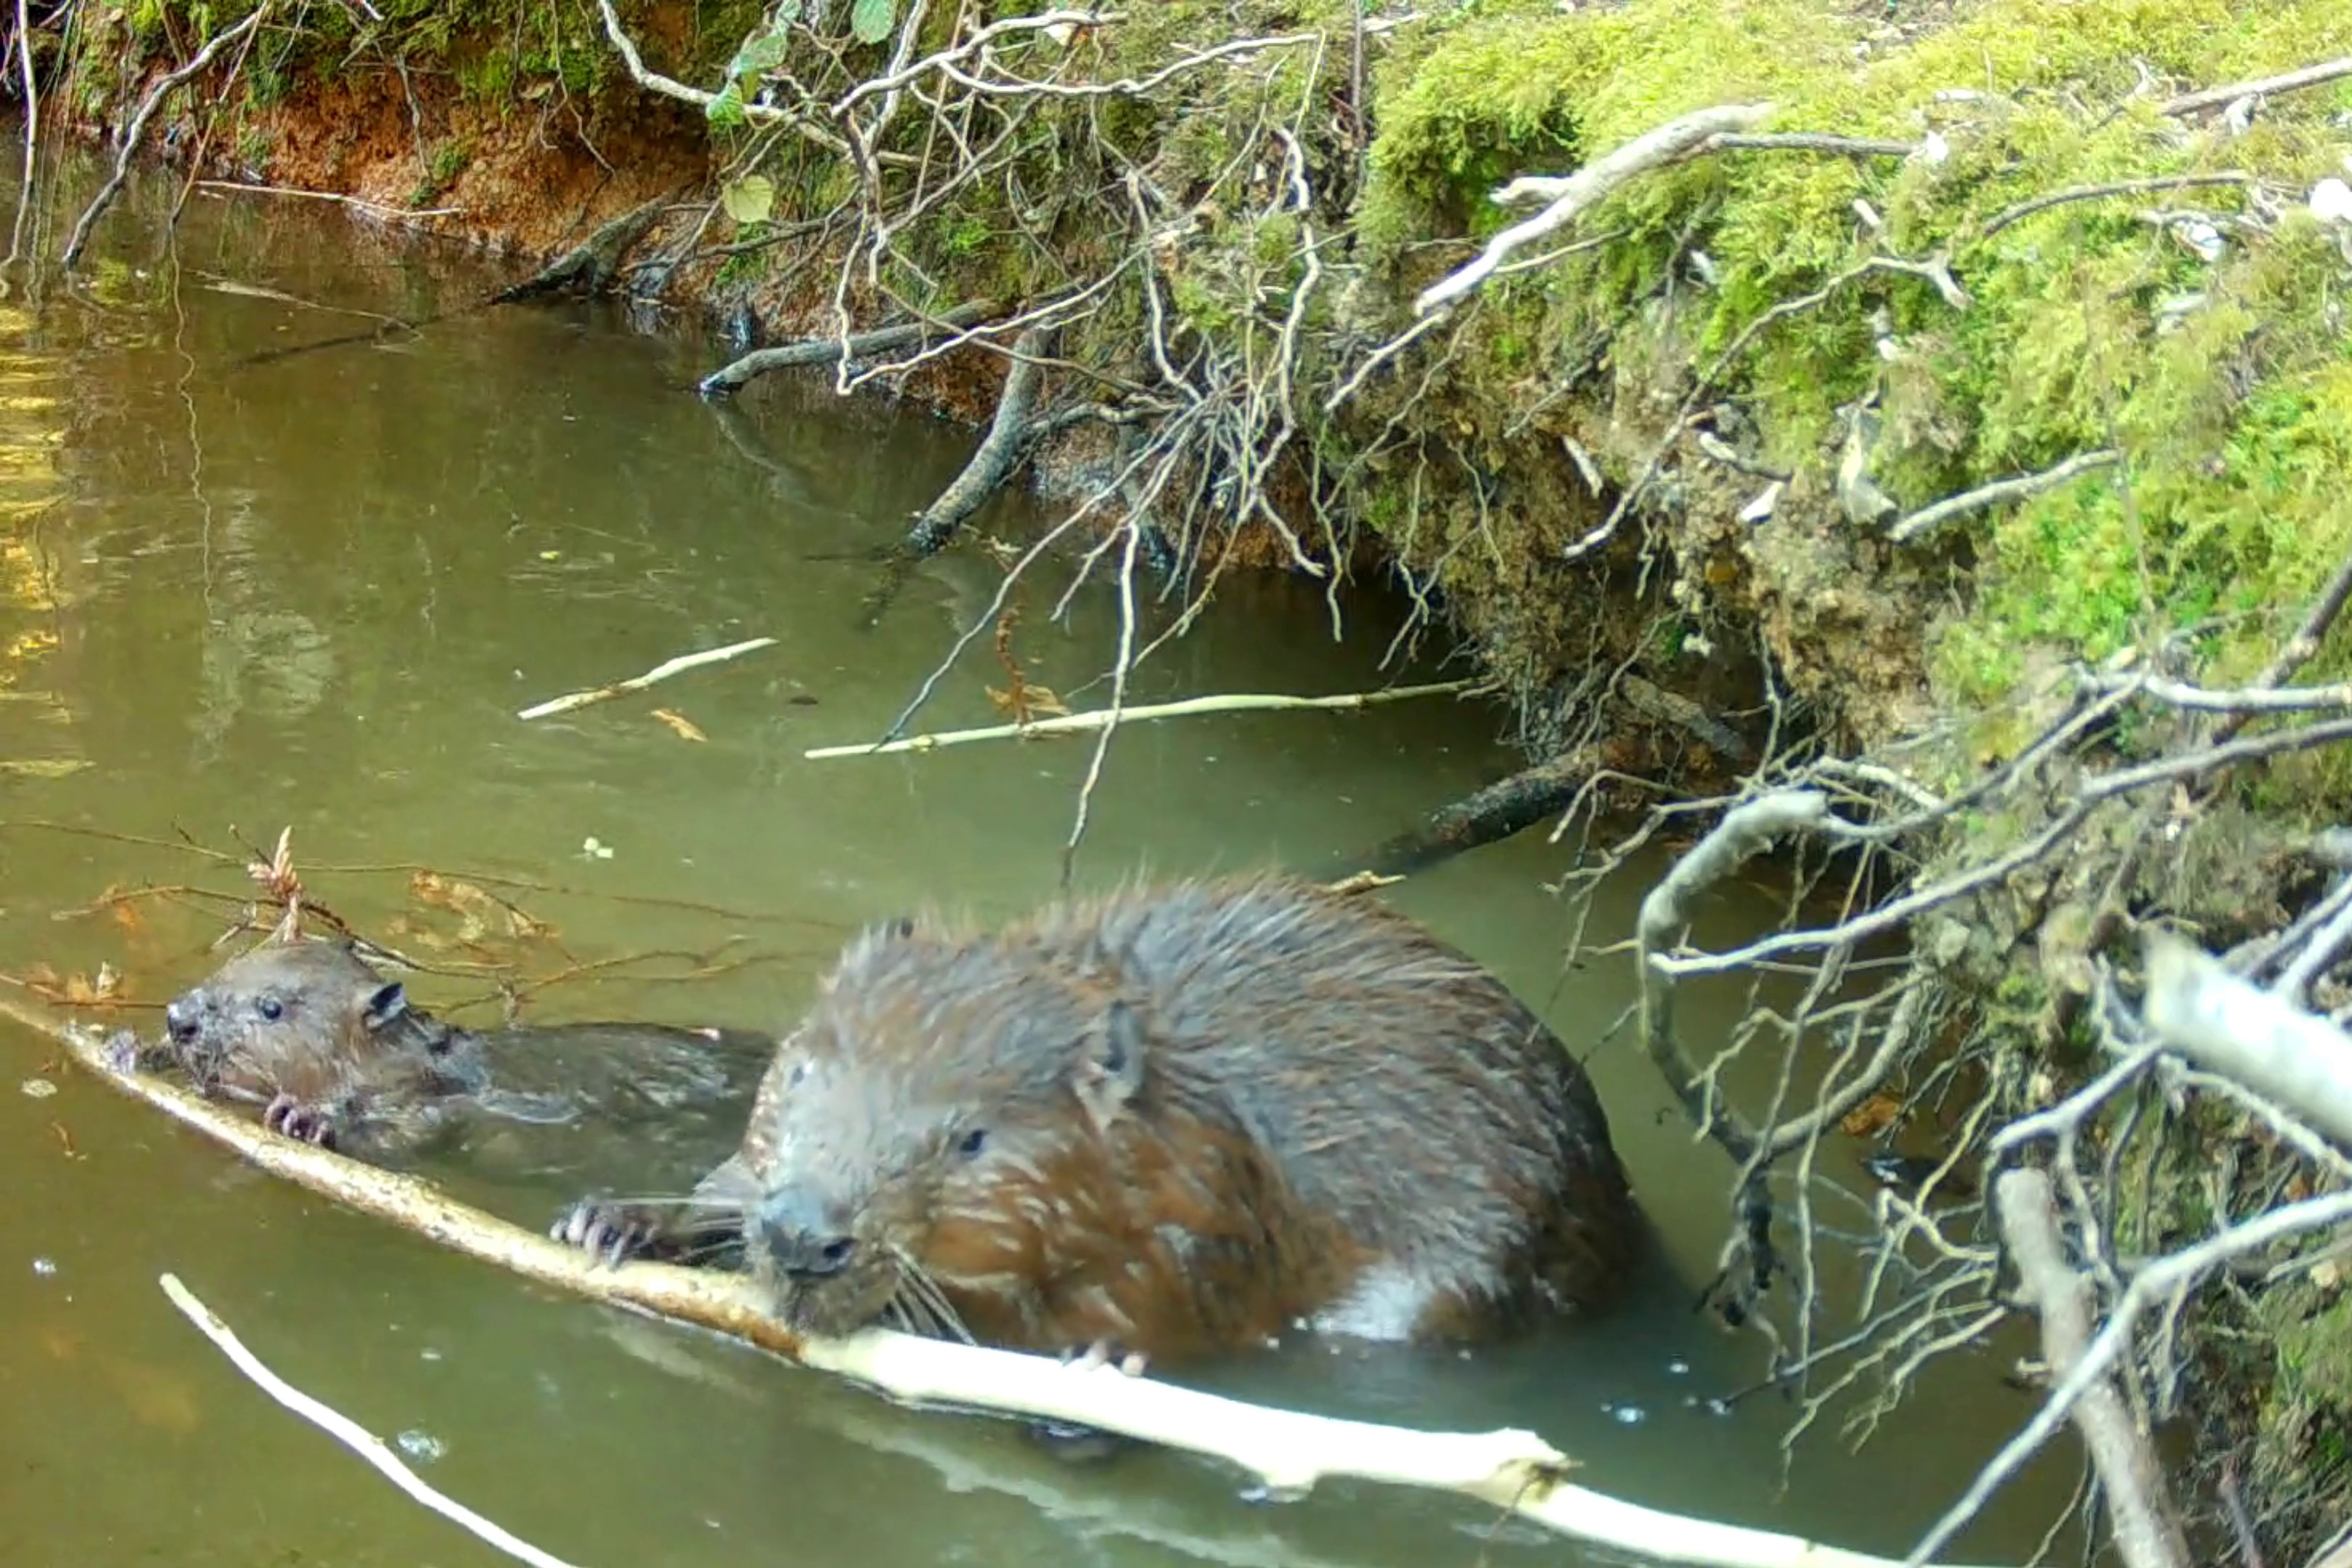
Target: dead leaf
74, 990
479, 911
1030, 703
680, 724
1873, 1115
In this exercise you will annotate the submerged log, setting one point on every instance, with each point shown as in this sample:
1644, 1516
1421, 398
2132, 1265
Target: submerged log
1507, 806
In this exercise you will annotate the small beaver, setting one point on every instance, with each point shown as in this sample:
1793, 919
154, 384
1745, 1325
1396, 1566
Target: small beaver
1170, 1123
339, 1056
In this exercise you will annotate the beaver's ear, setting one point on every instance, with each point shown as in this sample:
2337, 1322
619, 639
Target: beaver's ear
900, 927
1110, 1065
387, 1004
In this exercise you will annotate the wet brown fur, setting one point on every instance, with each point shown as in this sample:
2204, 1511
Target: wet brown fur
1208, 1111
312, 1026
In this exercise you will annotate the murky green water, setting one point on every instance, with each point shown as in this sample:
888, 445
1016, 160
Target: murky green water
313, 592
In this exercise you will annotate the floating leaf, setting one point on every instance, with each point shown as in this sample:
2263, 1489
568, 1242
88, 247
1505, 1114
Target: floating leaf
42, 767
680, 724
1873, 1114
750, 199
872, 20
1028, 703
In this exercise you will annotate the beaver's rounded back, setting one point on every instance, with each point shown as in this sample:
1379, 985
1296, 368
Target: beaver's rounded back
1181, 1119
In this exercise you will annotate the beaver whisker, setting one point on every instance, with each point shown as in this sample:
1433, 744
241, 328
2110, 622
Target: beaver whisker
920, 1305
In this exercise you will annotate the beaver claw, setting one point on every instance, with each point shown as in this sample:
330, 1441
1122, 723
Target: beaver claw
309, 1123
608, 1233
1102, 1352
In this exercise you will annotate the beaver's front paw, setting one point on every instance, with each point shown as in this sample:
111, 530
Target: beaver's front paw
1102, 1352
309, 1123
126, 1053
608, 1232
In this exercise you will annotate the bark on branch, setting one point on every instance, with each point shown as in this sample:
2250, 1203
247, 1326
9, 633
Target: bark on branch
134, 134
1904, 530
2146, 1533
1290, 1452
2250, 1036
1746, 831
1571, 194
1504, 807
1008, 441
731, 376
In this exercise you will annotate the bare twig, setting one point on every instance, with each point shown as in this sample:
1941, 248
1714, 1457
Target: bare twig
1810, 142
350, 1433
731, 376
374, 209
1571, 194
2262, 87
2146, 1533
2025, 209
2000, 492
1079, 723
24, 41
1747, 830
137, 130
2160, 1281
2254, 1037
1009, 436
659, 672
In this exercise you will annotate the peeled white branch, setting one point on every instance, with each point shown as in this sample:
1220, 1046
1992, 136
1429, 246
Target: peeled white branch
350, 1433
660, 672
2147, 1535
1290, 1451
1571, 194
1081, 723
2251, 1036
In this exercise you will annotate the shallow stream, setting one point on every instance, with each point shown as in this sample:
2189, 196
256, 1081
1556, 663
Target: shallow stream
312, 592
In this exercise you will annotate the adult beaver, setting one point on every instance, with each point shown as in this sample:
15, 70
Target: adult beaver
1175, 1122
338, 1055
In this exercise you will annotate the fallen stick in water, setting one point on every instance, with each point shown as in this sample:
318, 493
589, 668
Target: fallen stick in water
660, 672
1290, 1451
350, 1433
1081, 723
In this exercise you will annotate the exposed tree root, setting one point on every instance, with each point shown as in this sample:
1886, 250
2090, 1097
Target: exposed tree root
590, 265
732, 376
1008, 442
1503, 809
134, 134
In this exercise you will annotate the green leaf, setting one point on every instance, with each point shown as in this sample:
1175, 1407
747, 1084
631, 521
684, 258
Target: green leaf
727, 108
750, 200
872, 19
764, 53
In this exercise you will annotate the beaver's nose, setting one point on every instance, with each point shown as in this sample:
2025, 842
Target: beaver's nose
800, 1239
182, 1019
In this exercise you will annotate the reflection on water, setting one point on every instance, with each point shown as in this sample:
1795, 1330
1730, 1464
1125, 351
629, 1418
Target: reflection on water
314, 590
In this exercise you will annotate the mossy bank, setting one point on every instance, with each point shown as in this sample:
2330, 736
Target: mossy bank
1991, 351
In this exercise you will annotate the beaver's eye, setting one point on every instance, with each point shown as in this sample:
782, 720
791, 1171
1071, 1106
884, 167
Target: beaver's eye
271, 1008
799, 1071
973, 1142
